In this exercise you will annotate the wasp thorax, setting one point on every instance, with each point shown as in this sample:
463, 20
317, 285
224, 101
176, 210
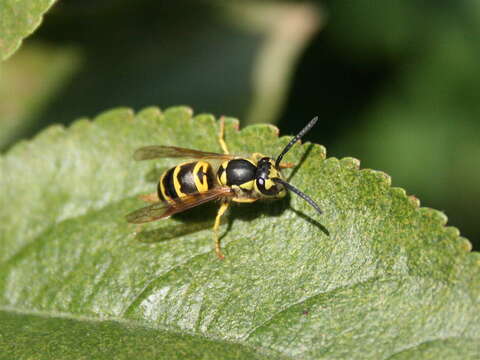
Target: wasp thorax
237, 172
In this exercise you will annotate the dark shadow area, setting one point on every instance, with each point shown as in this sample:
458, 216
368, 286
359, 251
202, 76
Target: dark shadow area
334, 86
273, 208
312, 221
137, 54
193, 220
203, 217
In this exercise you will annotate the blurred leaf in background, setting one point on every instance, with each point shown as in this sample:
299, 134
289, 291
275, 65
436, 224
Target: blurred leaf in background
395, 83
18, 19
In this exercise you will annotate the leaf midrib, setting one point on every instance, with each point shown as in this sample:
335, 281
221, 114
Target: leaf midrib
137, 324
245, 337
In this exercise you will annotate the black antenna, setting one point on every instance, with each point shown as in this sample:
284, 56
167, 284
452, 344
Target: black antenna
298, 192
294, 140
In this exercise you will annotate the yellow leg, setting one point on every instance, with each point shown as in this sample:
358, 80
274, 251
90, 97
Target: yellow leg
221, 136
220, 212
244, 200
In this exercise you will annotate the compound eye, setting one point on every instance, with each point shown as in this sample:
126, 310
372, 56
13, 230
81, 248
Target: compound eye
271, 191
261, 185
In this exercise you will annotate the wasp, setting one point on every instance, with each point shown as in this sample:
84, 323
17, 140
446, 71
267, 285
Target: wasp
233, 179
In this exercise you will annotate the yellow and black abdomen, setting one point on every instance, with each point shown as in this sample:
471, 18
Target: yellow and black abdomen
185, 179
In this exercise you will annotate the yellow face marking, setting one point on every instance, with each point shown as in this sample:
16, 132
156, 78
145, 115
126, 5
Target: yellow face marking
268, 184
274, 172
201, 181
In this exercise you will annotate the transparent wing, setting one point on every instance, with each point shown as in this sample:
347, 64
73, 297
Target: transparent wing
158, 151
164, 209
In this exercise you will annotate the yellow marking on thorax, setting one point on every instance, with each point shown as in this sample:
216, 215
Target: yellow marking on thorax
274, 172
253, 161
268, 184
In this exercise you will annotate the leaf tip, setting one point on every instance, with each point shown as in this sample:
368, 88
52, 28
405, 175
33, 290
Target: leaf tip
351, 163
398, 192
435, 215
117, 114
179, 112
230, 121
274, 129
414, 201
465, 244
153, 112
382, 177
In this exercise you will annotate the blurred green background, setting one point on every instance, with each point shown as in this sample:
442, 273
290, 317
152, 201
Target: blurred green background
396, 84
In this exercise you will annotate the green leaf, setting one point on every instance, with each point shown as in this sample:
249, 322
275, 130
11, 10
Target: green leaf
375, 277
59, 336
18, 19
